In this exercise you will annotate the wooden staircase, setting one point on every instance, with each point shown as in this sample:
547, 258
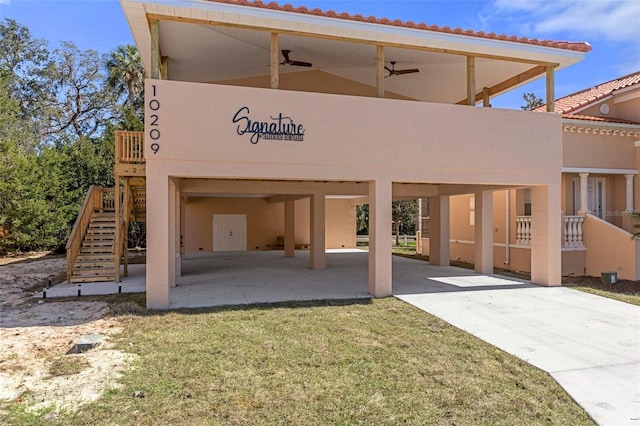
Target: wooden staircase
96, 259
97, 245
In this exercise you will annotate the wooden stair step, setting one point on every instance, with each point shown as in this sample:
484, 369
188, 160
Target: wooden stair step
88, 273
80, 280
94, 264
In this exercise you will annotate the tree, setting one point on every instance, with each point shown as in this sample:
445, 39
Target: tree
404, 216
636, 216
76, 103
362, 219
532, 102
125, 77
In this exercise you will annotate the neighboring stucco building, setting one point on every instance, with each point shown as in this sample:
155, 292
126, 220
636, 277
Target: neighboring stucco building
266, 121
599, 190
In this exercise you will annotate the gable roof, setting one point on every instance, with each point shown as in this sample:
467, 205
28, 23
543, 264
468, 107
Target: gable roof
565, 45
579, 100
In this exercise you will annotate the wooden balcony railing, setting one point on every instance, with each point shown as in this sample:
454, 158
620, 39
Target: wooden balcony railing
96, 198
129, 147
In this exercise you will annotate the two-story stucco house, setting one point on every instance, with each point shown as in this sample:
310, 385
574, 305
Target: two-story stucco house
267, 121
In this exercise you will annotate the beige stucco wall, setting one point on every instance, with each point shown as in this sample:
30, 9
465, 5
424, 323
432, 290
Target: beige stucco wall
600, 238
628, 109
574, 262
598, 151
313, 81
265, 222
347, 138
195, 136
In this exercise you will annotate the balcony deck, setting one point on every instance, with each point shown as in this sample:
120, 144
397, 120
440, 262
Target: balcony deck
130, 157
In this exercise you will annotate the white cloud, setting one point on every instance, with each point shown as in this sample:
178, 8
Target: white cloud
5, 2
607, 20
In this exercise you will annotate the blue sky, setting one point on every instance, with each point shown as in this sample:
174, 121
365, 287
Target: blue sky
612, 27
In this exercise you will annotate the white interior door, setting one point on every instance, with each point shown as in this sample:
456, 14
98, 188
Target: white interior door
596, 196
229, 232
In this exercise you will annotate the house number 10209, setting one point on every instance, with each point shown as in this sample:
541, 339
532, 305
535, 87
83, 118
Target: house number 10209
154, 133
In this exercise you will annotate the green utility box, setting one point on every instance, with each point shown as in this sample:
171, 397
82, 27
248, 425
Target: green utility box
609, 277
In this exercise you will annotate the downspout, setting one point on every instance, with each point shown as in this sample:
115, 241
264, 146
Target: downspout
507, 247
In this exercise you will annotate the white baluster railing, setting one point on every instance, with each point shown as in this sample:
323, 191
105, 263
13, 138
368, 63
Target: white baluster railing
573, 231
523, 230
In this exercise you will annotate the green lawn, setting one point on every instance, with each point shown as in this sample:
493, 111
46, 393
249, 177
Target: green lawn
363, 362
634, 299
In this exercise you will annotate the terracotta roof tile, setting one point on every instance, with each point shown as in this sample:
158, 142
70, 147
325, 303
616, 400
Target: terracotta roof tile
585, 97
564, 45
598, 119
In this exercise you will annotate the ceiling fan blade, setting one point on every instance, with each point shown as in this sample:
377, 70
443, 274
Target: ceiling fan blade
409, 71
388, 69
285, 53
300, 63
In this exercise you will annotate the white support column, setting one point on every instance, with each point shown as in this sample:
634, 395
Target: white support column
546, 235
629, 203
289, 228
317, 254
380, 197
439, 232
584, 194
484, 232
158, 242
178, 226
183, 223
173, 208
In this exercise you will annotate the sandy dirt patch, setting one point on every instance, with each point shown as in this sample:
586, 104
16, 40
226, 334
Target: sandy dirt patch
35, 335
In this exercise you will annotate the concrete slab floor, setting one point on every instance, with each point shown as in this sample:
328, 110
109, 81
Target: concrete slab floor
589, 344
134, 283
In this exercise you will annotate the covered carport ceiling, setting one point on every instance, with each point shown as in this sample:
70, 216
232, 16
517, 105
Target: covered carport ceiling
207, 53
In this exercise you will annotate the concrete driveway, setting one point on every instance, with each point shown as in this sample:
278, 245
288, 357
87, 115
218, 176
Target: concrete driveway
589, 344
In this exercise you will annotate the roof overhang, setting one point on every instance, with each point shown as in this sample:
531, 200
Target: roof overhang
219, 40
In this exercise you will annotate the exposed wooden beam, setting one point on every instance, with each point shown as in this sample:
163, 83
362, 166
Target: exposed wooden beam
341, 38
275, 56
164, 67
380, 71
155, 48
551, 106
486, 97
471, 80
507, 84
282, 198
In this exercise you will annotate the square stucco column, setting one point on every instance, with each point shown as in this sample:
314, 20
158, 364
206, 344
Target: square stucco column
289, 228
546, 235
380, 238
439, 232
484, 232
317, 255
159, 240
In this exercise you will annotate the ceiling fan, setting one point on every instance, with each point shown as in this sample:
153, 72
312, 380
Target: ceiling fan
394, 71
288, 61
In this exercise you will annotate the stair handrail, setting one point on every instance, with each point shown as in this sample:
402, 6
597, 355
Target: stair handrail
92, 200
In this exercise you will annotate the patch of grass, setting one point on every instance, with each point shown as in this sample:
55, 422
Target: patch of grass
67, 365
364, 362
633, 299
